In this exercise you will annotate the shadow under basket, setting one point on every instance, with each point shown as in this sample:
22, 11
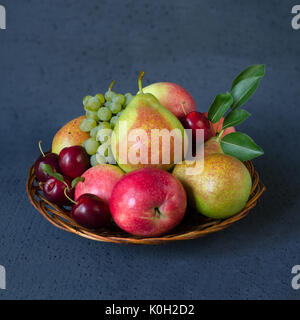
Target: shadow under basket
193, 226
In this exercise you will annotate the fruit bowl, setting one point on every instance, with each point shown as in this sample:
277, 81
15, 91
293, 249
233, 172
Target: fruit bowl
193, 226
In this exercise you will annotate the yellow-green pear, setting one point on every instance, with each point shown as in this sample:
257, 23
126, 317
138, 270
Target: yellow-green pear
69, 135
212, 146
222, 188
136, 140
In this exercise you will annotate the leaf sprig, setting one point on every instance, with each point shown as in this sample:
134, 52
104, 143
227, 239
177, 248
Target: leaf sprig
238, 144
48, 169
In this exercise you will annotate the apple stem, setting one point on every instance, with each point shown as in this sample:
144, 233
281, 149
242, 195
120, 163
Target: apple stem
182, 106
111, 85
157, 211
65, 192
140, 81
40, 147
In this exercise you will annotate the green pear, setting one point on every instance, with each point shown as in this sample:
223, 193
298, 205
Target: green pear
212, 146
221, 189
145, 113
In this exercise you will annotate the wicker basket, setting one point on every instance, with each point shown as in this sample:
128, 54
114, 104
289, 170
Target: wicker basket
194, 225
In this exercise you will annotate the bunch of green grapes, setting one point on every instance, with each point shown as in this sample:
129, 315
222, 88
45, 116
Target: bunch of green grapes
102, 115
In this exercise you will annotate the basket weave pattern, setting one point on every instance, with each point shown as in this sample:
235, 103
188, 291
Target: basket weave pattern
194, 225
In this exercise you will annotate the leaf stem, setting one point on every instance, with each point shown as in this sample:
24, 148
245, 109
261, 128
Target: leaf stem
220, 135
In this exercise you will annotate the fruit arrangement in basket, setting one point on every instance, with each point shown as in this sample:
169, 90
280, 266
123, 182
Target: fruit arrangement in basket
144, 162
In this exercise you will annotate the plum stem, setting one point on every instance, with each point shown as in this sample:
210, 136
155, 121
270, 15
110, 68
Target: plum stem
140, 81
66, 195
40, 146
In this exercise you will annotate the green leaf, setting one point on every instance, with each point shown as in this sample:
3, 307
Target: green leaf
244, 90
246, 83
59, 177
240, 146
48, 169
235, 117
76, 181
257, 70
219, 107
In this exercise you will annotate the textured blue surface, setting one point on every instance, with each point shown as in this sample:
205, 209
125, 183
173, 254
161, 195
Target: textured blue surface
55, 52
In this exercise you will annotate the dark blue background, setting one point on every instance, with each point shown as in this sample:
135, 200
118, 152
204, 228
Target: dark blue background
53, 53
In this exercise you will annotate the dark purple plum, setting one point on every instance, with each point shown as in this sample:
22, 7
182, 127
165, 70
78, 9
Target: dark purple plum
91, 212
54, 191
51, 159
74, 161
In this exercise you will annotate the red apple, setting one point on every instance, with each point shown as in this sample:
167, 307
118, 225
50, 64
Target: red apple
99, 181
171, 96
148, 202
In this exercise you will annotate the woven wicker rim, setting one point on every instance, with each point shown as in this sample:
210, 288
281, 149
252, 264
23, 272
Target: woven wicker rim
193, 226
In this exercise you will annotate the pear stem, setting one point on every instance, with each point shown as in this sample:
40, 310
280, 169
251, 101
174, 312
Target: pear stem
65, 192
182, 106
112, 84
40, 147
140, 81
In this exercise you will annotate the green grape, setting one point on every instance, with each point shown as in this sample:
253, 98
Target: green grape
91, 146
93, 160
113, 94
128, 97
85, 99
119, 98
108, 104
115, 107
104, 125
87, 125
103, 135
104, 114
120, 113
101, 98
92, 115
110, 158
103, 150
109, 95
100, 159
93, 132
93, 104
113, 121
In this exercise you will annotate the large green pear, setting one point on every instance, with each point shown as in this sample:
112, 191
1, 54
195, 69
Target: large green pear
221, 185
147, 118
